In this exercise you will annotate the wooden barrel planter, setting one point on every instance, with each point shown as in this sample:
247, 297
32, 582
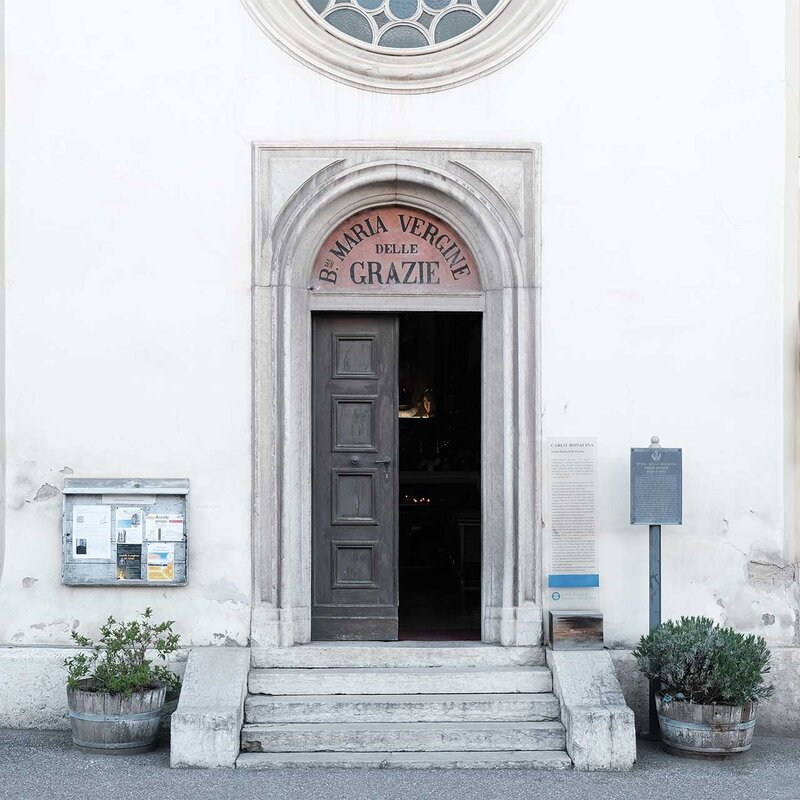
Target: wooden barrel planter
170, 707
113, 724
710, 731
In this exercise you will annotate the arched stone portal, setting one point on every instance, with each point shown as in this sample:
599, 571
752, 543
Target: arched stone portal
489, 197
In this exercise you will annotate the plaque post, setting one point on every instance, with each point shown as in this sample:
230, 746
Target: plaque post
655, 603
655, 576
656, 499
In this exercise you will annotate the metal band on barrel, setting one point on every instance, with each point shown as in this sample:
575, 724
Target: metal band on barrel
114, 717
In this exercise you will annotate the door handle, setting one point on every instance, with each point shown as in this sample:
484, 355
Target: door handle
386, 462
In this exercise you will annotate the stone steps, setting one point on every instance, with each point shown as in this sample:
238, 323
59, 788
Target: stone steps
402, 680
530, 759
410, 705
402, 708
392, 737
396, 654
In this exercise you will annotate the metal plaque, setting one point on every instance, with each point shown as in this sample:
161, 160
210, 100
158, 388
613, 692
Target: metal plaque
656, 486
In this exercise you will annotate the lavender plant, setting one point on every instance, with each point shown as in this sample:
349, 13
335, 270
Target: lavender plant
700, 662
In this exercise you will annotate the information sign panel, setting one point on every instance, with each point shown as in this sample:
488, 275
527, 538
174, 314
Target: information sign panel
656, 486
573, 577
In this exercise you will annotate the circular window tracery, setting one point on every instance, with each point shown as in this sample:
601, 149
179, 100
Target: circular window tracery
405, 25
404, 46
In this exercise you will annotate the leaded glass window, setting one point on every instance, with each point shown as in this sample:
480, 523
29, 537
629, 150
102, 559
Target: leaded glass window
405, 25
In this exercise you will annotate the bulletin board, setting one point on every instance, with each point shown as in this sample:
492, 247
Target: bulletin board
125, 532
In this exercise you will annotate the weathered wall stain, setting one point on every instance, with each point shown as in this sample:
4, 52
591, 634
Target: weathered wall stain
45, 492
228, 641
769, 575
22, 486
59, 623
225, 591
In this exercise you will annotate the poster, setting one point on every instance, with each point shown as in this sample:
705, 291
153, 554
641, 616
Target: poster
129, 525
91, 532
129, 562
160, 562
164, 527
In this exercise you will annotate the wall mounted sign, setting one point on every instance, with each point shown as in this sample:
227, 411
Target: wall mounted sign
656, 486
395, 250
574, 578
125, 532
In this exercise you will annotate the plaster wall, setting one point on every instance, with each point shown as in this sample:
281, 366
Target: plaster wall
2, 292
666, 281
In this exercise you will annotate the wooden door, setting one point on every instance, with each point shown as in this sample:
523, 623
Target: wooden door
355, 478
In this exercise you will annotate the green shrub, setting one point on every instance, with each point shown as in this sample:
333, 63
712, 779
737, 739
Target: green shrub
700, 662
118, 661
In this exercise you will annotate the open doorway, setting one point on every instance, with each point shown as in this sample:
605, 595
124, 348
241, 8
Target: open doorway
439, 384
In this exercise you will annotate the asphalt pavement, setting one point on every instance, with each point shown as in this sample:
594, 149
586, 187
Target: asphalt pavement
43, 764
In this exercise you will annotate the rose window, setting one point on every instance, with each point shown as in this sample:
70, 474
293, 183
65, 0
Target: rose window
404, 25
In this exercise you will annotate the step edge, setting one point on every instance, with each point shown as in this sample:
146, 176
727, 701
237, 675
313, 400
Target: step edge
513, 668
429, 697
526, 759
321, 727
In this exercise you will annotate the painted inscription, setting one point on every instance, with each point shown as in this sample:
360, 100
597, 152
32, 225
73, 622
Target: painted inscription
395, 249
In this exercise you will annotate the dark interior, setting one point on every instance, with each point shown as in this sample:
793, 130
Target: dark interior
440, 497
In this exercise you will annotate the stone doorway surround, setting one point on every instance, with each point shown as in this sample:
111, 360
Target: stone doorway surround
490, 196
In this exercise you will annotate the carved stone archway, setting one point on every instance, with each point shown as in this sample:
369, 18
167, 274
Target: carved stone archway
490, 197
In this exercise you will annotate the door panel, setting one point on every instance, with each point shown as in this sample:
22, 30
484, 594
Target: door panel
355, 478
354, 423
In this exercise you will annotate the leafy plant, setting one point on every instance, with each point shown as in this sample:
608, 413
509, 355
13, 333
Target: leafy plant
700, 662
117, 663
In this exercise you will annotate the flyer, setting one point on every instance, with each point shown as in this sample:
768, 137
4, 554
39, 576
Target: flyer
160, 562
129, 562
164, 527
129, 525
91, 532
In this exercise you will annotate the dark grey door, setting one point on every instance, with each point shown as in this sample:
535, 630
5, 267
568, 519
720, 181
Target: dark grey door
355, 478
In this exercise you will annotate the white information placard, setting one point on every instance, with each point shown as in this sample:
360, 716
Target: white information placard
91, 532
573, 579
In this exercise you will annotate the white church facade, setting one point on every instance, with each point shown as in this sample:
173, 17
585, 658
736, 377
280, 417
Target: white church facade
317, 290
